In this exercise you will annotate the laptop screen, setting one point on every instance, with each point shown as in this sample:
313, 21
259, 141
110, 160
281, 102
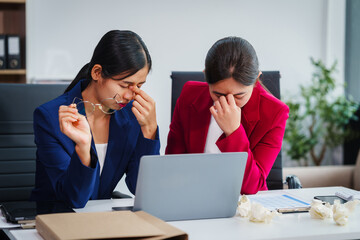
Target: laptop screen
190, 186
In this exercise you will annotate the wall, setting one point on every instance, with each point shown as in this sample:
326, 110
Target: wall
61, 36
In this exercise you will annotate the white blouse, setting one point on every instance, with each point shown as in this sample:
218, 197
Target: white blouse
101, 152
213, 135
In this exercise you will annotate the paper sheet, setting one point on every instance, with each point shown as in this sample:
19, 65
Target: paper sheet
278, 201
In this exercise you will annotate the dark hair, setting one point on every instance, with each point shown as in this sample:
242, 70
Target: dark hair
232, 57
117, 52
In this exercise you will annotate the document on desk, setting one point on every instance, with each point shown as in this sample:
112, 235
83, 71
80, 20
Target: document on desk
281, 202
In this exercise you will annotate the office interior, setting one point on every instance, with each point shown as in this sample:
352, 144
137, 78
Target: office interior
61, 35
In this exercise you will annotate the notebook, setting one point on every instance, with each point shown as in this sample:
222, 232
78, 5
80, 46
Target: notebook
348, 194
190, 186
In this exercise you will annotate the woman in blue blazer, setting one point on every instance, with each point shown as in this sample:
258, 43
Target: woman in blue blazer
97, 131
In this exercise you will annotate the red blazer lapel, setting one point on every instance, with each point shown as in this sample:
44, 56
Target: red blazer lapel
199, 121
250, 112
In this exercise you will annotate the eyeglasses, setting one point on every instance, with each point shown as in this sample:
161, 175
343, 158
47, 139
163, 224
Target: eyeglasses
107, 105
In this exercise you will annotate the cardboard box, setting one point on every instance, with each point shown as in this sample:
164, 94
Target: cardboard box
104, 225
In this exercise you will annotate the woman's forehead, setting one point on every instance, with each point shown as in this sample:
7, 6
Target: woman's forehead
229, 85
138, 77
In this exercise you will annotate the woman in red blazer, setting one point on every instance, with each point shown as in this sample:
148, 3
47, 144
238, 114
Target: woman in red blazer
232, 112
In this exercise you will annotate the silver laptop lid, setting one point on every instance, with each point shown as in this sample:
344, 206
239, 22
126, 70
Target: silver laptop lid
190, 186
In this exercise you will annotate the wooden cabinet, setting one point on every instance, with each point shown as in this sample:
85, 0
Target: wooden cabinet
12, 22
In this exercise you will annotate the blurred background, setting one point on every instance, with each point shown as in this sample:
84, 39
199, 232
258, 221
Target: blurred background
60, 36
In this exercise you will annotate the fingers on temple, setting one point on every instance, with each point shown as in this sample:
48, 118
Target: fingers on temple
139, 107
223, 102
142, 93
213, 111
231, 100
137, 114
218, 107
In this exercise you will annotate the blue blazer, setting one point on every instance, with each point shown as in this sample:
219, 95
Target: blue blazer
60, 174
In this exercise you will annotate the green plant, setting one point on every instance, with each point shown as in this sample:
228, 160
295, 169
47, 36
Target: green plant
318, 120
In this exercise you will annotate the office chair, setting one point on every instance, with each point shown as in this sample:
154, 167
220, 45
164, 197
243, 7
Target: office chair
17, 147
271, 80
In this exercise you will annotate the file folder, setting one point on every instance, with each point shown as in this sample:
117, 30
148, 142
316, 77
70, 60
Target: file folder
3, 51
13, 52
106, 225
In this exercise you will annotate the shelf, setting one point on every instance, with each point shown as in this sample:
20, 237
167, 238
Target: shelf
12, 71
13, 22
13, 1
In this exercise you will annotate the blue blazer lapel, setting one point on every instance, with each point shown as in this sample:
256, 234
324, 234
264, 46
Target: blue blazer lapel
122, 141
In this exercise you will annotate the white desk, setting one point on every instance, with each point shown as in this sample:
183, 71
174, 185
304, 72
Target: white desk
286, 226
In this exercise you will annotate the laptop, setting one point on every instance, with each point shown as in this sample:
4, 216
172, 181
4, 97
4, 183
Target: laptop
26, 211
190, 186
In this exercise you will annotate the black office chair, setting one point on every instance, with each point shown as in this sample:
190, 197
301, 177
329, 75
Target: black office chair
17, 147
271, 80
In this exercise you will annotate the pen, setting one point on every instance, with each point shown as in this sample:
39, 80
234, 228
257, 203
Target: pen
28, 225
293, 210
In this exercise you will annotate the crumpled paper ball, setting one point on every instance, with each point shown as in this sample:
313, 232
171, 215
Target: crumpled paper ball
255, 211
339, 212
244, 206
342, 211
351, 205
259, 213
320, 211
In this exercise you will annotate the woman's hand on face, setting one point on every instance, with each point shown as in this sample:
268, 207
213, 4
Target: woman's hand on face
144, 111
227, 114
76, 127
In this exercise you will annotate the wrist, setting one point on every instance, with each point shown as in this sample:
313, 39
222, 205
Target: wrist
84, 154
149, 132
228, 133
84, 142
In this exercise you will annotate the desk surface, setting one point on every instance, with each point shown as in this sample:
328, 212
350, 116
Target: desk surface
285, 226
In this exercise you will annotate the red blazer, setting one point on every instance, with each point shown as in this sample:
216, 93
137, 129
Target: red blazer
260, 134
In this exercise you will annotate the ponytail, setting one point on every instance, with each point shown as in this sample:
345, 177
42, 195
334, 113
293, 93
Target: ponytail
84, 73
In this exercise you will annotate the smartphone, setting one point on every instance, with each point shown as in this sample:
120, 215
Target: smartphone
330, 199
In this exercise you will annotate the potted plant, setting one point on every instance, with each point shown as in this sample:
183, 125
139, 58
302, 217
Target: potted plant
318, 119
